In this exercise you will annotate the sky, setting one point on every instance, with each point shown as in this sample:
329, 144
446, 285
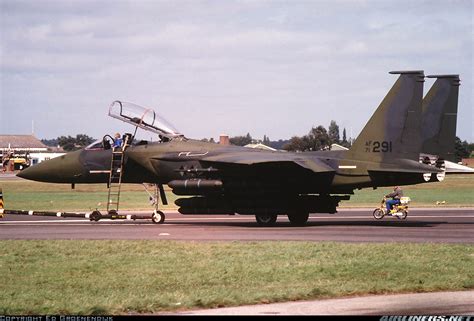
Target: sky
274, 68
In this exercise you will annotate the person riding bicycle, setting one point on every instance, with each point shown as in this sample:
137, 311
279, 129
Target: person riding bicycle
395, 195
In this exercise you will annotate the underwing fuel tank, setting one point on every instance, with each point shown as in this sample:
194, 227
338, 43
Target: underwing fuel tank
196, 186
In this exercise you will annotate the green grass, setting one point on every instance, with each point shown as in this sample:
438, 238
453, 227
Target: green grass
455, 190
25, 195
115, 277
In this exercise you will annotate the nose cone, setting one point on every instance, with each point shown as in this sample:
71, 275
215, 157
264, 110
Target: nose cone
63, 169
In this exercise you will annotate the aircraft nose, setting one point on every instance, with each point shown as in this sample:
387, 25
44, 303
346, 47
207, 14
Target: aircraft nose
62, 169
37, 172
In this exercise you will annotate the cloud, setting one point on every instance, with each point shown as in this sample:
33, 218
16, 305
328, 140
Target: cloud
237, 67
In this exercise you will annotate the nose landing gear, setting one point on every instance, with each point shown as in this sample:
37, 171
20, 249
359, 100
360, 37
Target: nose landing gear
158, 217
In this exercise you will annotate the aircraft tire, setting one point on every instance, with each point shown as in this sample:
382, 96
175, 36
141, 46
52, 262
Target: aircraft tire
158, 217
266, 219
298, 218
378, 214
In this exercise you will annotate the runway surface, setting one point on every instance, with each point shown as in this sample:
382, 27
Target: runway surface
436, 303
349, 225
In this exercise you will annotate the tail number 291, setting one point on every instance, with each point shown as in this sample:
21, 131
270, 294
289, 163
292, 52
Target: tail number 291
377, 146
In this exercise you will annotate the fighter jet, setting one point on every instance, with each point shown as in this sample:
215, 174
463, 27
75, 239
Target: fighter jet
225, 179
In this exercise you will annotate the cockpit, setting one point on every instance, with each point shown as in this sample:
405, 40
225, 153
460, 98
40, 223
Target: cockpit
139, 117
144, 118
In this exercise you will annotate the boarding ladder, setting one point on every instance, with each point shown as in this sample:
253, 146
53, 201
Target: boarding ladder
115, 178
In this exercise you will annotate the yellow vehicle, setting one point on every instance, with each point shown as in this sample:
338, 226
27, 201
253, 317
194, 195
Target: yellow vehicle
20, 163
400, 210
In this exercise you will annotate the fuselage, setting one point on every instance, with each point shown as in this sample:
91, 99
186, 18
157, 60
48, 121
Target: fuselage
188, 159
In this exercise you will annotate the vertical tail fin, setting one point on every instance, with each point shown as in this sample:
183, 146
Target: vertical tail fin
394, 129
439, 117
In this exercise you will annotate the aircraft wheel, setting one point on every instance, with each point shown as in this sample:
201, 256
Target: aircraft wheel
378, 213
266, 219
298, 218
158, 217
95, 216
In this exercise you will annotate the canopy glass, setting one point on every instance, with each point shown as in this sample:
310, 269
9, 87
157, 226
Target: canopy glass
145, 118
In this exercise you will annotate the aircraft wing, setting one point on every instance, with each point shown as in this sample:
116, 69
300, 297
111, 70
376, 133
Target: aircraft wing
269, 160
407, 166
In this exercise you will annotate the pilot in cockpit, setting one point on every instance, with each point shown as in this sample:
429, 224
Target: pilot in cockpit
163, 139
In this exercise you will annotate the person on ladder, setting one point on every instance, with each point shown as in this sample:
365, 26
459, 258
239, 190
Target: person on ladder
117, 141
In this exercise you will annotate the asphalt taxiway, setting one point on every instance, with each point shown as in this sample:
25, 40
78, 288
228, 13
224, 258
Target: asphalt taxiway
438, 225
423, 225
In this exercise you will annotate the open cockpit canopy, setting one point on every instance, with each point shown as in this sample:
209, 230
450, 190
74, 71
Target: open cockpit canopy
145, 118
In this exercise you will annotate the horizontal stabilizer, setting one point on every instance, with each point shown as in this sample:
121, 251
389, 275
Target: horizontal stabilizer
453, 168
395, 170
407, 166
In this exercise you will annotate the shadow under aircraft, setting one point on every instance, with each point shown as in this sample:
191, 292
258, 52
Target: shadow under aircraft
226, 179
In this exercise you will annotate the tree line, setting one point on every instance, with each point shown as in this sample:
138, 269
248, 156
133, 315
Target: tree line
318, 138
69, 143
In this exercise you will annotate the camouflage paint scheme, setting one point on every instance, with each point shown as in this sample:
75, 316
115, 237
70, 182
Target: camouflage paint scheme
227, 179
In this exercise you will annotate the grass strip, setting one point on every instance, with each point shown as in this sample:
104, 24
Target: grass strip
119, 277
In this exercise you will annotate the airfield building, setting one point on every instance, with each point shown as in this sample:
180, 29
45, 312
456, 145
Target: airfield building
20, 151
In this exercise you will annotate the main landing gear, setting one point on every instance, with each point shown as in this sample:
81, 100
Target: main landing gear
296, 218
266, 219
